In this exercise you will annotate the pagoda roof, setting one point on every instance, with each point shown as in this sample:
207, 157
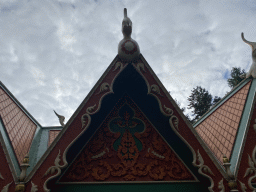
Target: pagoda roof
223, 128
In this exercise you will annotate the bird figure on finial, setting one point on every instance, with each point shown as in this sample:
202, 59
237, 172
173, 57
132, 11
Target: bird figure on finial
252, 71
61, 118
128, 48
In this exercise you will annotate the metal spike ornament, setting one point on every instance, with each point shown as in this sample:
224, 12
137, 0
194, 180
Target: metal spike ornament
252, 71
61, 119
128, 48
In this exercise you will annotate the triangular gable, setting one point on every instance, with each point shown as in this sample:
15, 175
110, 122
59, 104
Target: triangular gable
219, 129
141, 84
19, 125
245, 169
126, 147
6, 175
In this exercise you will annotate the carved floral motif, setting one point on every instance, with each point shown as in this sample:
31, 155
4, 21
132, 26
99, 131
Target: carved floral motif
6, 187
1, 177
127, 148
221, 186
252, 169
204, 170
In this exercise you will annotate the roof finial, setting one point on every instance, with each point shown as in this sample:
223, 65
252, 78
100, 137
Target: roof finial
128, 49
252, 71
125, 12
61, 119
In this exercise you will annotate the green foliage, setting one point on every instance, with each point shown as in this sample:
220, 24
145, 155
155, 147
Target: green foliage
216, 100
237, 75
200, 101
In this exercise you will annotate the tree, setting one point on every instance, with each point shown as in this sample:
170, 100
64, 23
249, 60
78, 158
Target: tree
200, 101
183, 109
237, 75
216, 100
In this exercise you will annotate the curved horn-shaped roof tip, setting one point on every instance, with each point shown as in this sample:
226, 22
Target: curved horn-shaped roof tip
242, 35
125, 12
252, 44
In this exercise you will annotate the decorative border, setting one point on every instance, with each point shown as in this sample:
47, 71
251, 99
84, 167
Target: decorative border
174, 122
137, 182
251, 169
85, 121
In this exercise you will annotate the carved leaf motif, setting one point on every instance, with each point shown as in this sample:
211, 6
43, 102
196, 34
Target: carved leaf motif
250, 162
221, 186
84, 119
52, 169
104, 87
168, 110
118, 64
90, 109
156, 89
200, 159
34, 187
57, 160
141, 66
6, 188
248, 171
243, 187
1, 177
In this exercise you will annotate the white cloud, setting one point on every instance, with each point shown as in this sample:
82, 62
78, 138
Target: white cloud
52, 53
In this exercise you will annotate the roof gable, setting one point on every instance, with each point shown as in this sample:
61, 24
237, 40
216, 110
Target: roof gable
139, 82
219, 128
129, 147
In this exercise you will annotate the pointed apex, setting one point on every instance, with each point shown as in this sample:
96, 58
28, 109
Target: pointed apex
128, 49
61, 118
252, 71
125, 12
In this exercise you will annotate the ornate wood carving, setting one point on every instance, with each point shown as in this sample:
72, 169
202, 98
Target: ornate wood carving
126, 147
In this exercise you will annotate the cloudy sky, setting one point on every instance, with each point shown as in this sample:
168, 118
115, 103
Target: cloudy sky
53, 52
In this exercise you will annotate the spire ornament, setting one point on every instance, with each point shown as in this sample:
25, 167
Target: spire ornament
252, 71
128, 49
61, 119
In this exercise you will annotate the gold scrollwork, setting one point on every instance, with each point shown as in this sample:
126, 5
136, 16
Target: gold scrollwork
6, 188
1, 177
118, 65
168, 111
156, 89
251, 169
221, 186
104, 87
52, 170
98, 173
141, 67
174, 121
85, 119
203, 169
33, 187
90, 110
243, 187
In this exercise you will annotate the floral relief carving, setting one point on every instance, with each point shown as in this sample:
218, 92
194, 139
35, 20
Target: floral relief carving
141, 67
221, 186
33, 187
6, 188
127, 148
118, 65
57, 167
204, 170
1, 177
243, 187
155, 88
173, 121
104, 87
91, 109
85, 120
252, 169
